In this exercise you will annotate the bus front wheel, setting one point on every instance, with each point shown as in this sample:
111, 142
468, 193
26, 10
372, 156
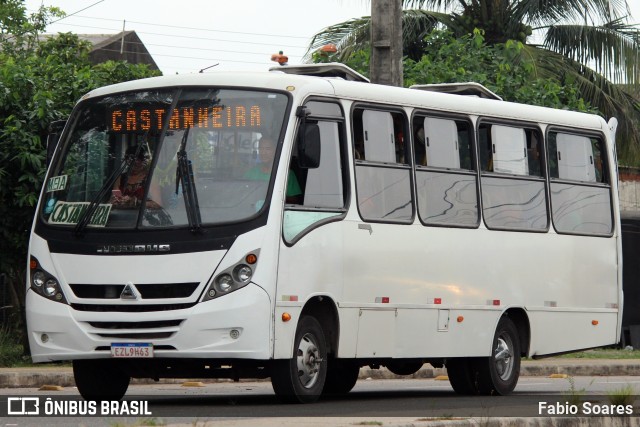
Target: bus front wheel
342, 376
301, 378
499, 373
100, 379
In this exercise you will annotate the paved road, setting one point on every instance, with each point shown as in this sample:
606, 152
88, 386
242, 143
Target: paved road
405, 401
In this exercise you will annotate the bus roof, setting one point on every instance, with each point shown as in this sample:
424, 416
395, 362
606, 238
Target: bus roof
302, 86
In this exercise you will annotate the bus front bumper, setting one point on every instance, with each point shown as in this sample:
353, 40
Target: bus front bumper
235, 326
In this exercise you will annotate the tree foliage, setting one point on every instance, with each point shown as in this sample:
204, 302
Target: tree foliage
41, 78
587, 44
503, 68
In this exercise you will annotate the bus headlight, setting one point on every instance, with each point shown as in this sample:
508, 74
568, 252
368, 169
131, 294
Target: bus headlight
38, 278
232, 278
51, 287
242, 273
224, 283
45, 284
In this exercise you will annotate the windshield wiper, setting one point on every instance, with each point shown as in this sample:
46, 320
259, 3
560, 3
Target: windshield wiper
184, 174
86, 216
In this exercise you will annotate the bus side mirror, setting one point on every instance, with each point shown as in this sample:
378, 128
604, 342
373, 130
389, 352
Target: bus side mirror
308, 141
309, 146
55, 129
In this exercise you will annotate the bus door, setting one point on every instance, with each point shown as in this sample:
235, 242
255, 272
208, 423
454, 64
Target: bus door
311, 246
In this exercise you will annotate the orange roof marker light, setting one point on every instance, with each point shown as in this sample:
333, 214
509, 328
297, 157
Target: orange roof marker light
280, 58
329, 48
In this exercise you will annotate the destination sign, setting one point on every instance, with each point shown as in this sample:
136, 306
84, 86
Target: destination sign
69, 213
150, 118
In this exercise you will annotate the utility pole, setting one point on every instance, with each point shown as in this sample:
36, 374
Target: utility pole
385, 66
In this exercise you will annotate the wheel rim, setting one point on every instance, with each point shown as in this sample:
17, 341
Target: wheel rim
503, 357
308, 360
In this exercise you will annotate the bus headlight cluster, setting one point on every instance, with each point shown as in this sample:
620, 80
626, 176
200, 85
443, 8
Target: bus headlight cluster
233, 278
44, 284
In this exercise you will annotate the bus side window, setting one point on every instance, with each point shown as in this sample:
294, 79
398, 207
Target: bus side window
446, 183
322, 197
580, 194
383, 178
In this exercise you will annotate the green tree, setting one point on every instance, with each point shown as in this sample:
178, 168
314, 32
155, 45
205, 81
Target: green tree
41, 78
587, 44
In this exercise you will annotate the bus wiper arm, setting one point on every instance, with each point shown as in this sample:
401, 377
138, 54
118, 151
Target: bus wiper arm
184, 174
86, 216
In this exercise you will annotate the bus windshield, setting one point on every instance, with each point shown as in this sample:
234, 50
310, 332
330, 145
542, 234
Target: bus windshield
156, 158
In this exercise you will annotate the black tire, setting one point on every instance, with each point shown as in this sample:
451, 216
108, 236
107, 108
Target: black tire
342, 376
499, 373
301, 378
463, 375
100, 379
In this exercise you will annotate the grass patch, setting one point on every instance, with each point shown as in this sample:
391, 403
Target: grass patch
11, 350
603, 353
622, 396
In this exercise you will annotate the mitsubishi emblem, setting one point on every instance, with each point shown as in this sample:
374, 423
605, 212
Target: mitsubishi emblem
129, 292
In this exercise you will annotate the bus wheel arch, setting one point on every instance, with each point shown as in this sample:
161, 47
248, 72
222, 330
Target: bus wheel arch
324, 310
342, 374
301, 378
520, 319
498, 374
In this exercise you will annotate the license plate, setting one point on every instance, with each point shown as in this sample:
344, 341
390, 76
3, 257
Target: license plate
132, 349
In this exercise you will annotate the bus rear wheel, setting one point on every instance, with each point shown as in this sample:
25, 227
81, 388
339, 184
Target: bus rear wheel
462, 375
100, 379
301, 378
499, 373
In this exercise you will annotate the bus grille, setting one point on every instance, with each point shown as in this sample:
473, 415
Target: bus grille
147, 290
139, 336
131, 308
137, 325
149, 330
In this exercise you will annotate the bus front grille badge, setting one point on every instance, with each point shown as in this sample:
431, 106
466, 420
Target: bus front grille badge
129, 292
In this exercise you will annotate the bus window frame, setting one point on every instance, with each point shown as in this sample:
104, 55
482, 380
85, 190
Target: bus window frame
408, 165
344, 153
424, 113
58, 236
544, 178
606, 172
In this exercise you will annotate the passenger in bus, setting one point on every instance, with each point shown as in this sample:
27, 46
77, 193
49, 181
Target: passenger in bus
128, 191
262, 171
420, 148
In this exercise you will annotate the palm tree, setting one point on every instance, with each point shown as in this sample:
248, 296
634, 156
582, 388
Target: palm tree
588, 42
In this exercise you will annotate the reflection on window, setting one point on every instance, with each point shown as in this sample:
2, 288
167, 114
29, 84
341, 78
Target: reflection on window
514, 204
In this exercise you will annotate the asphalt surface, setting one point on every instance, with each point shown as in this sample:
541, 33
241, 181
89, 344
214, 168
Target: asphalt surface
52, 375
48, 374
